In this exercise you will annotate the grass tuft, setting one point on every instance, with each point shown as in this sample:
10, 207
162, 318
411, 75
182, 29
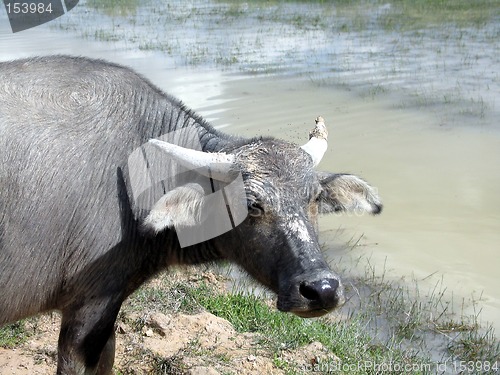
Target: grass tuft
13, 335
115, 7
172, 365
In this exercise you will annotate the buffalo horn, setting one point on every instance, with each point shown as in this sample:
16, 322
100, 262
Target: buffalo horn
317, 144
215, 165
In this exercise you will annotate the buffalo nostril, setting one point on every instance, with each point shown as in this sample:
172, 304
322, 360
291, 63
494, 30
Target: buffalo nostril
323, 291
308, 292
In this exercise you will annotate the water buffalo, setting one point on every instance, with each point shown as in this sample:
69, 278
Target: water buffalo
74, 238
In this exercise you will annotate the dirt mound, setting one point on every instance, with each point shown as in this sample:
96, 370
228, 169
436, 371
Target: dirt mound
190, 344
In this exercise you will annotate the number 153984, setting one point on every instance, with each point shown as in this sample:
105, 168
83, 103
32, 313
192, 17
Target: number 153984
28, 8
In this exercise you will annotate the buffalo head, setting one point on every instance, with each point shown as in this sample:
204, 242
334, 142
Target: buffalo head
276, 241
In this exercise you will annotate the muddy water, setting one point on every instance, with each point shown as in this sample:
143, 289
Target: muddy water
439, 184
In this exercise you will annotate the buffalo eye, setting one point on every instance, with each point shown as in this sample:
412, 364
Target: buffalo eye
317, 198
255, 209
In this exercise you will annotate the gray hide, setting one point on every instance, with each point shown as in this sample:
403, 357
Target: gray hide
73, 239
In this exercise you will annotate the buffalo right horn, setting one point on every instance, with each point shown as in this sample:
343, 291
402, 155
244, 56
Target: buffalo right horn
317, 144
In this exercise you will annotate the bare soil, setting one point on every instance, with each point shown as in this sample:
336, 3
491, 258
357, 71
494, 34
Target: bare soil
152, 342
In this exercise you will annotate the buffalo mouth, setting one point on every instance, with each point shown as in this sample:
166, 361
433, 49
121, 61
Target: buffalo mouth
310, 313
310, 299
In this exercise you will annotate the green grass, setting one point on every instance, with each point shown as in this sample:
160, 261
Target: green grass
115, 7
423, 13
399, 15
281, 332
388, 321
13, 335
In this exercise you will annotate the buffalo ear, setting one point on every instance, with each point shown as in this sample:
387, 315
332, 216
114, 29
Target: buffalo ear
180, 207
347, 193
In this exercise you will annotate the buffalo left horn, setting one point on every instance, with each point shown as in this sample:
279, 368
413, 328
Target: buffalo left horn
317, 144
216, 165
